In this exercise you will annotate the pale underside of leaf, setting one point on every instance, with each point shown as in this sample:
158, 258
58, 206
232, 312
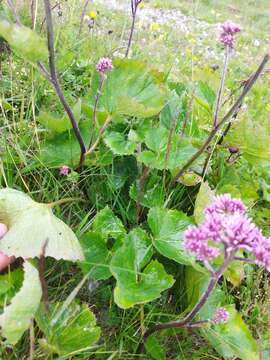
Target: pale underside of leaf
17, 316
32, 226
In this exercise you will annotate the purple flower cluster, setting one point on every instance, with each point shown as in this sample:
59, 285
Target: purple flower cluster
226, 223
220, 316
64, 170
104, 65
227, 33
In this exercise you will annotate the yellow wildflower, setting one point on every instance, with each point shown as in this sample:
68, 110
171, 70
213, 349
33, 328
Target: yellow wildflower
92, 14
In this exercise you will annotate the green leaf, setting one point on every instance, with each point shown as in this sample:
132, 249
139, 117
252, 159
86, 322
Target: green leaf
63, 148
24, 41
207, 94
137, 282
241, 182
17, 316
74, 331
153, 193
118, 144
190, 179
10, 283
204, 198
154, 349
108, 224
233, 339
171, 110
180, 150
56, 124
168, 227
97, 256
131, 88
31, 225
196, 284
156, 139
255, 149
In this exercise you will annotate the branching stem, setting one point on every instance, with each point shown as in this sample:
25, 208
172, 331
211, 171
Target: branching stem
227, 117
187, 321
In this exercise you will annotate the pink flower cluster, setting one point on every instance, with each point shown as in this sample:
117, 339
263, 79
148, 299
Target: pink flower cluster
226, 223
220, 316
227, 33
64, 170
104, 65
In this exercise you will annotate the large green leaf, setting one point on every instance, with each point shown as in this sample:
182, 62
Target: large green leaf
131, 88
156, 140
118, 144
32, 225
63, 148
108, 224
168, 228
24, 41
137, 282
97, 256
17, 316
94, 243
232, 339
74, 331
57, 124
254, 148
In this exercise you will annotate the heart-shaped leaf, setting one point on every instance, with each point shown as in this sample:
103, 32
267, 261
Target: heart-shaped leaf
136, 284
17, 316
108, 224
131, 88
97, 256
94, 243
58, 124
74, 331
118, 144
158, 157
168, 228
32, 226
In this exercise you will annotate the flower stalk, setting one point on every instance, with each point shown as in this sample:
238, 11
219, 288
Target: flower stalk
226, 224
134, 8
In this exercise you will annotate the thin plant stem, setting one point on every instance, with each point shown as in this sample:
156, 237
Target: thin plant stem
190, 103
227, 117
134, 7
41, 270
64, 201
97, 98
32, 341
55, 81
187, 320
83, 15
101, 131
221, 87
170, 137
145, 173
248, 261
33, 11
14, 12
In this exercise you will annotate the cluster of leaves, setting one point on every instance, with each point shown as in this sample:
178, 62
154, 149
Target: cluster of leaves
152, 131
